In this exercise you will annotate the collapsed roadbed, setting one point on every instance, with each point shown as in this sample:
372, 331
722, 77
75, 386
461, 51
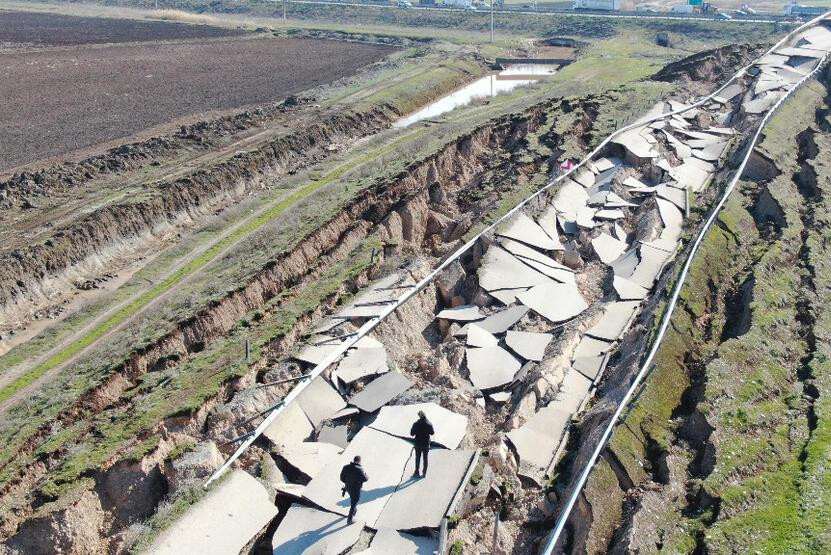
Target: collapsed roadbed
566, 345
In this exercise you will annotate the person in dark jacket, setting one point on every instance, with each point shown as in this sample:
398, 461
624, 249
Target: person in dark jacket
421, 431
353, 477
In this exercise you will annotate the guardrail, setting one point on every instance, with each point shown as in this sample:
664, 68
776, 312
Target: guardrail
673, 301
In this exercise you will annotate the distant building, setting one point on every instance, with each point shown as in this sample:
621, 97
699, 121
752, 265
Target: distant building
609, 5
459, 3
797, 9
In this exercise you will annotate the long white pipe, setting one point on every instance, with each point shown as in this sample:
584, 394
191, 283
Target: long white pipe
563, 518
373, 322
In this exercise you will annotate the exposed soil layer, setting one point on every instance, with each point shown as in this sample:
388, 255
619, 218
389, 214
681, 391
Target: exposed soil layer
89, 95
709, 66
29, 29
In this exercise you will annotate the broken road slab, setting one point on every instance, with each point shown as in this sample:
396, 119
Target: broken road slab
380, 391
450, 427
491, 367
423, 502
308, 531
224, 521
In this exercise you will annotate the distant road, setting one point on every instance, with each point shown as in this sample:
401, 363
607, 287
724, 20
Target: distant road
547, 12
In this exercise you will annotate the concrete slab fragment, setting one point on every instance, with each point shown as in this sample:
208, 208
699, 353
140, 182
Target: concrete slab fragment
524, 229
616, 201
761, 103
628, 291
690, 175
598, 198
307, 531
561, 275
502, 270
801, 52
309, 457
605, 164
548, 222
501, 321
608, 248
573, 391
224, 521
390, 542
634, 183
591, 347
384, 458
676, 196
317, 349
479, 337
620, 233
611, 215
528, 345
590, 367
731, 91
569, 198
319, 401
290, 426
666, 245
650, 266
362, 363
491, 367
584, 177
336, 435
466, 313
380, 391
537, 440
500, 396
626, 263
615, 320
636, 144
522, 251
585, 217
557, 302
672, 219
450, 427
423, 502
507, 296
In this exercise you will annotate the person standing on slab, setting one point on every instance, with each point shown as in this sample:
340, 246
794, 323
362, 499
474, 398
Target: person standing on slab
421, 431
353, 477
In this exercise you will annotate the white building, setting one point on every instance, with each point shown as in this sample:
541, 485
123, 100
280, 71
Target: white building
597, 5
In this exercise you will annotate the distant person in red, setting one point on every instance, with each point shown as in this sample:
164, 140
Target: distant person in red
421, 431
353, 477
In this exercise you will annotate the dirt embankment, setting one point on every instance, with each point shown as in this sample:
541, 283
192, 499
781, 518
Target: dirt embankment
720, 450
24, 188
30, 277
425, 210
705, 68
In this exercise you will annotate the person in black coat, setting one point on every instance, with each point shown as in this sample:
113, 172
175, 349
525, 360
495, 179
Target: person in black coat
421, 431
353, 477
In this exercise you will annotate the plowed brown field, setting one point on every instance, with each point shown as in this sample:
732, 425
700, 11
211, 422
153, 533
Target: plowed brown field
59, 100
